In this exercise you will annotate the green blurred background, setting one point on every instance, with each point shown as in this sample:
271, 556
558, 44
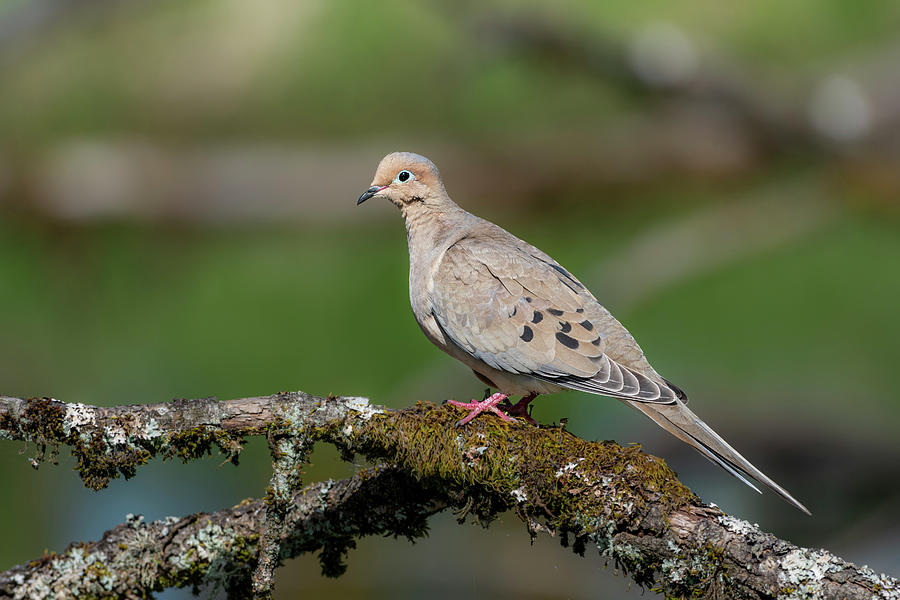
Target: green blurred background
178, 219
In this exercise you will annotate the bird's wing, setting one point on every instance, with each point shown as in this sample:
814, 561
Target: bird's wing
517, 310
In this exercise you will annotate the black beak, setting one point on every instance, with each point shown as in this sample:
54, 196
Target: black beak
369, 193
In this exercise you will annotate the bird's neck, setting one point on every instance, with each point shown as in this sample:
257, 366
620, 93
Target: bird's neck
431, 225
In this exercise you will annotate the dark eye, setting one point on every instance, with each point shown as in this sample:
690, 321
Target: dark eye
404, 176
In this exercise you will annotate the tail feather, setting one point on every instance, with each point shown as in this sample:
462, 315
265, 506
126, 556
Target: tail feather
681, 422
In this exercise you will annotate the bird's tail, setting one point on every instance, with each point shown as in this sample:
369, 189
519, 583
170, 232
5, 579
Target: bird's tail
681, 422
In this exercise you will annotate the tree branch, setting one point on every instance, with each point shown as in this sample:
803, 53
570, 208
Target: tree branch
288, 453
219, 550
628, 504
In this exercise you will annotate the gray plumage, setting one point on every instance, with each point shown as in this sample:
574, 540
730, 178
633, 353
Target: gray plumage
521, 321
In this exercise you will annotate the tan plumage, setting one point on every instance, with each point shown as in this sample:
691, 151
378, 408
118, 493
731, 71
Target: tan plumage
521, 321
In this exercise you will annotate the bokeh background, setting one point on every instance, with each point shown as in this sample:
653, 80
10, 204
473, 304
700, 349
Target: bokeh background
177, 219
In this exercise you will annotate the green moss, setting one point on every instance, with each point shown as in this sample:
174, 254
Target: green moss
587, 489
41, 424
43, 420
546, 471
199, 442
714, 555
98, 571
97, 465
787, 591
101, 458
45, 559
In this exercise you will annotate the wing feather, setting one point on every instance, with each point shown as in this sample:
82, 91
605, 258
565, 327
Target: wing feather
514, 308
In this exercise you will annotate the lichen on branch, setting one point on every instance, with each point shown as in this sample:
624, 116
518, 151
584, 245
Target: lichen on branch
625, 503
218, 551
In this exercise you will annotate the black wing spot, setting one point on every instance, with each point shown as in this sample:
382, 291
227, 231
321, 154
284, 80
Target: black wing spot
527, 298
527, 335
579, 310
598, 341
587, 325
538, 317
566, 327
566, 340
555, 312
515, 310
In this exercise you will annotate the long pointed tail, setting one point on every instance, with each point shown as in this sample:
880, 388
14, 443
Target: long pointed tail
681, 422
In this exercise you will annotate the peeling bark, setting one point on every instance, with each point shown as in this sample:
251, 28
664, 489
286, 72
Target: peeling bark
626, 503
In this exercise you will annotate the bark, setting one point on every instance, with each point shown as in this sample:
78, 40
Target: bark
625, 503
217, 551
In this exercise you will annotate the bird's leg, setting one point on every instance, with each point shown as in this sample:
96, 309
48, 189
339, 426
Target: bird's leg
521, 408
476, 408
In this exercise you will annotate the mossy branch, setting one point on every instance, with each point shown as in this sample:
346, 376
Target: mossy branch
218, 551
627, 504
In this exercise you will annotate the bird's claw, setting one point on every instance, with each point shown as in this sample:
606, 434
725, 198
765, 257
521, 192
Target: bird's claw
476, 408
522, 408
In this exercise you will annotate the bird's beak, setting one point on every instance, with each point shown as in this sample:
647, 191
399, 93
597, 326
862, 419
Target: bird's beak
369, 193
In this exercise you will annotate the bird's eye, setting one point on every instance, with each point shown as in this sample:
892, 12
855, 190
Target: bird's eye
404, 176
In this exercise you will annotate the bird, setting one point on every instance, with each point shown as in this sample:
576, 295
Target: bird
522, 322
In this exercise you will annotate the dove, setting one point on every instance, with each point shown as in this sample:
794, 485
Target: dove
523, 323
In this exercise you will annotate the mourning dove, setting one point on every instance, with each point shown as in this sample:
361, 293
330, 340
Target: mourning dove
523, 323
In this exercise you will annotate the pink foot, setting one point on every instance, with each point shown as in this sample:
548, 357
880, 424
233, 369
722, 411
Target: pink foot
476, 408
520, 408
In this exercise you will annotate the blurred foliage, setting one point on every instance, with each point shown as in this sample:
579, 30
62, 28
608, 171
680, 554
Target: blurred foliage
338, 69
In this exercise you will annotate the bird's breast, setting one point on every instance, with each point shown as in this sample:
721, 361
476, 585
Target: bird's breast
420, 288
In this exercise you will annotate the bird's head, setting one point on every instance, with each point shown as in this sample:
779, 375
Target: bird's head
407, 180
